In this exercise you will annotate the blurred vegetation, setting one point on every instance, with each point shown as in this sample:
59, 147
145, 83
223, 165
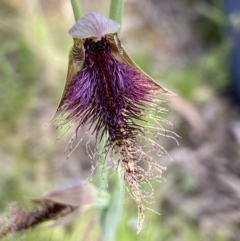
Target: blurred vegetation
198, 80
33, 57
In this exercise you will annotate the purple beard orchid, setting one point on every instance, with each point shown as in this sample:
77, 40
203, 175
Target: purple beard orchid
106, 90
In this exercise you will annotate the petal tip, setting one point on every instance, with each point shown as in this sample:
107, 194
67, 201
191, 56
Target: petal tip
168, 92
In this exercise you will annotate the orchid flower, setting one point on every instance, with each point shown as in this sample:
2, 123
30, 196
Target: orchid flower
107, 91
61, 205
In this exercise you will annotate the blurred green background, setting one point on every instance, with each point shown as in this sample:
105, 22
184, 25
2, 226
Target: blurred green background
182, 44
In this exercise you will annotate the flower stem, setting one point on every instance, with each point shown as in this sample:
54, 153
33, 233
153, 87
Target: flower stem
109, 216
76, 9
116, 11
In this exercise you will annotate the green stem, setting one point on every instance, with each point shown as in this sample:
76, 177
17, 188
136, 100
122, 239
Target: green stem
76, 9
116, 11
110, 216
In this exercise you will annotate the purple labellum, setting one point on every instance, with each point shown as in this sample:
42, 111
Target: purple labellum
108, 91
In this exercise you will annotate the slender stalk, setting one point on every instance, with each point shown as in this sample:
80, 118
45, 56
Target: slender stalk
109, 216
76, 9
116, 11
